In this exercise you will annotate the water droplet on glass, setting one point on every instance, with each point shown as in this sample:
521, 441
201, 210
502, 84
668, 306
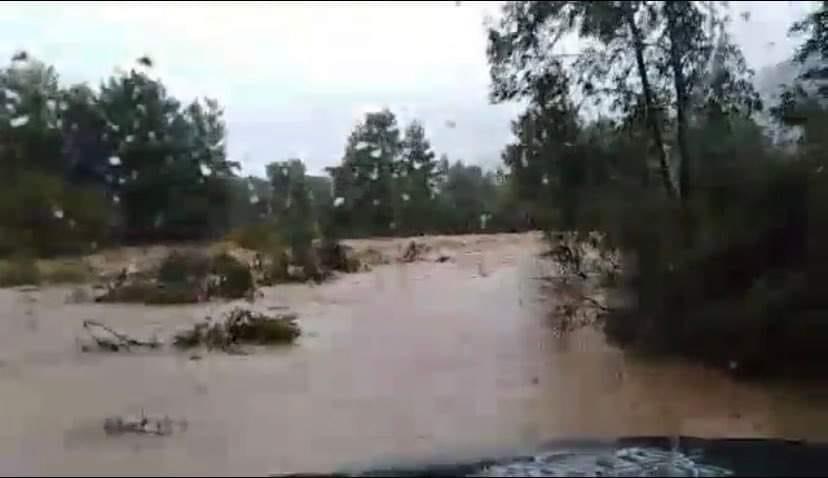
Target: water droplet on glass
568, 144
451, 124
58, 123
129, 138
484, 218
114, 160
12, 95
403, 173
116, 199
114, 127
136, 124
393, 225
376, 153
405, 197
819, 169
545, 180
254, 199
72, 223
523, 161
158, 221
51, 104
141, 109
63, 106
394, 175
375, 174
339, 201
151, 135
19, 121
250, 187
284, 171
121, 180
376, 202
361, 145
134, 174
57, 212
416, 166
205, 170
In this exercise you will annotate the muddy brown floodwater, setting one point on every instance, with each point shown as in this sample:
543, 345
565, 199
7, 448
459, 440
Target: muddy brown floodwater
407, 361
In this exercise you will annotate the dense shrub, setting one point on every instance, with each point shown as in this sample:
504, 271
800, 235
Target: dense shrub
184, 267
234, 278
735, 277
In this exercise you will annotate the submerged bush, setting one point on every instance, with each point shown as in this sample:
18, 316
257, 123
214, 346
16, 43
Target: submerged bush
240, 326
234, 278
184, 267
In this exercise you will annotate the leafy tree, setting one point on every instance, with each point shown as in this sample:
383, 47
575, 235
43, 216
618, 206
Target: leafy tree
416, 175
364, 183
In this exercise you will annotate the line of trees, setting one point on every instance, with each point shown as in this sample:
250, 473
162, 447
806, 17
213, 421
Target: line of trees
725, 229
126, 162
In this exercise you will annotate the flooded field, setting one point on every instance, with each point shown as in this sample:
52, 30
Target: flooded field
405, 361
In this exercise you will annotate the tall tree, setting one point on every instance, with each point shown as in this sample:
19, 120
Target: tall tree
364, 182
416, 178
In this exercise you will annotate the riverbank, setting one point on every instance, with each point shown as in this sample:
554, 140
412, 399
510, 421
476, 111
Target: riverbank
407, 360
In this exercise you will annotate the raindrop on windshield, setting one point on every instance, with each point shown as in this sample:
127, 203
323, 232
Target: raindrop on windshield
57, 212
129, 138
116, 199
361, 145
376, 202
339, 201
523, 161
405, 197
114, 161
12, 95
376, 153
19, 121
205, 170
254, 199
545, 180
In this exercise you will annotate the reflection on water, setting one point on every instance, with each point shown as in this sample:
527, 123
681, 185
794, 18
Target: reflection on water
406, 361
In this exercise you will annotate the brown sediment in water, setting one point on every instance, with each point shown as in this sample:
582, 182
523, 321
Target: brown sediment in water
406, 361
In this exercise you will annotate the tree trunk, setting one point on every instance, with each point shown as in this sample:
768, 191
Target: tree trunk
650, 112
680, 85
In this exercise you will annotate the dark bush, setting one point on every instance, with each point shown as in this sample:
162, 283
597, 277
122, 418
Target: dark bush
234, 278
184, 267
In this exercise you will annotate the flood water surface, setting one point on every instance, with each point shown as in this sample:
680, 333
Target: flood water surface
406, 361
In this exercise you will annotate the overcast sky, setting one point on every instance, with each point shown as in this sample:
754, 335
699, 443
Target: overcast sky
295, 77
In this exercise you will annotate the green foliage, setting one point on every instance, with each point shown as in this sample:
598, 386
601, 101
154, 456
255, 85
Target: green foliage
731, 274
262, 236
183, 268
235, 279
65, 272
19, 270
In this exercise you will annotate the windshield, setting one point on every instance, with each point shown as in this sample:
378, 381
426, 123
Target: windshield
258, 238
